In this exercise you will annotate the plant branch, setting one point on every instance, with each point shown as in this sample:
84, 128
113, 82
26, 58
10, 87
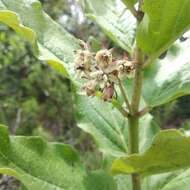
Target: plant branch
133, 11
124, 94
131, 8
143, 112
117, 105
140, 5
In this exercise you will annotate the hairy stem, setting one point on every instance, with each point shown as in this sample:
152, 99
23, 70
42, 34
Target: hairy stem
133, 135
137, 81
134, 147
134, 118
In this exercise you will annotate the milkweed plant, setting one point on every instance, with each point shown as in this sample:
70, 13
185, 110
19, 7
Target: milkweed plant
113, 96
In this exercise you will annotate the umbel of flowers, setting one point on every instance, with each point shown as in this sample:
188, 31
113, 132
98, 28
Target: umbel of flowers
100, 71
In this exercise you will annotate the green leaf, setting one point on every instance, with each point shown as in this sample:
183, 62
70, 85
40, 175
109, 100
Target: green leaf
108, 127
38, 164
22, 188
164, 22
51, 42
104, 123
123, 182
169, 151
159, 181
100, 180
180, 181
147, 130
47, 166
108, 15
169, 78
168, 181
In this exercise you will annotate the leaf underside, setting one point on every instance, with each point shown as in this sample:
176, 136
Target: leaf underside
169, 78
118, 23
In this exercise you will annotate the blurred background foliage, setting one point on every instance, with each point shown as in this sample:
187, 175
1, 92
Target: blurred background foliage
35, 100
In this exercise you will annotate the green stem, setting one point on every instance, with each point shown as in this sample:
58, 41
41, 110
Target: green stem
133, 135
134, 147
137, 81
119, 107
133, 11
131, 8
134, 118
124, 94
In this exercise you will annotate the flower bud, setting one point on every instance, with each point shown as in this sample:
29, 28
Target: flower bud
91, 87
108, 92
126, 70
83, 60
129, 66
103, 58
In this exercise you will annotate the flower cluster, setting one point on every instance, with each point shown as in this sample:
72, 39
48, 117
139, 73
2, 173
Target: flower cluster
101, 71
